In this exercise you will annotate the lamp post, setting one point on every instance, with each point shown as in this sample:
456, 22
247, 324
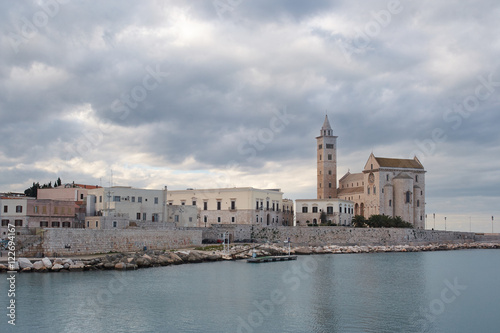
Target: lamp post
445, 223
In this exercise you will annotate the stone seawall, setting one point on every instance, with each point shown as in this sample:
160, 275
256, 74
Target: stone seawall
319, 236
63, 242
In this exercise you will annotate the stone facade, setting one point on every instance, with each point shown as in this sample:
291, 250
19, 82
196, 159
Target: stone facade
239, 205
387, 186
65, 242
326, 162
341, 235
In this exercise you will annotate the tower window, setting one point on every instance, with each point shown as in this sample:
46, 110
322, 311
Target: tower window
330, 185
320, 157
368, 190
329, 172
390, 203
416, 178
418, 203
407, 199
329, 157
320, 147
387, 177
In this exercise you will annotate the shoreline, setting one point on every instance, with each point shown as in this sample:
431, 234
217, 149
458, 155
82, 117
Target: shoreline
210, 253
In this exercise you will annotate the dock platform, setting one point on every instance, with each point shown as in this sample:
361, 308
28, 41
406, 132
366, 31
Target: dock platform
271, 258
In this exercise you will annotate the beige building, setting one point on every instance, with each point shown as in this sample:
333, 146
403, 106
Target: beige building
387, 186
239, 205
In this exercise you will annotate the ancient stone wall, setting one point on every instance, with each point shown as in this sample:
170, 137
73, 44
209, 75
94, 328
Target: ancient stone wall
63, 242
342, 235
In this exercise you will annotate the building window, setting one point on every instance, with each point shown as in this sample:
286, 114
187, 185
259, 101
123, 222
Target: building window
88, 224
114, 224
340, 209
190, 219
144, 216
205, 205
371, 166
155, 217
320, 157
100, 198
156, 200
421, 192
194, 202
5, 209
19, 209
139, 199
66, 224
18, 223
390, 203
368, 190
56, 210
55, 225
304, 209
374, 190
183, 203
257, 204
416, 178
267, 205
218, 219
218, 205
329, 185
329, 146
407, 199
176, 218
44, 224
320, 147
418, 203
232, 219
5, 223
138, 216
329, 157
97, 224
387, 177
233, 204
382, 190
330, 172
205, 219
315, 209
329, 210
116, 198
81, 196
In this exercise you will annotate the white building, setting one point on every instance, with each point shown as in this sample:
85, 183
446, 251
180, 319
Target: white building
239, 205
14, 211
337, 211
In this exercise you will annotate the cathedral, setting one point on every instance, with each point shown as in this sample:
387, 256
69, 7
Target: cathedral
386, 186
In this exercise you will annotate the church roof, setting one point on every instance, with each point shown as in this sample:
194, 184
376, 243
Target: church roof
350, 190
326, 124
398, 163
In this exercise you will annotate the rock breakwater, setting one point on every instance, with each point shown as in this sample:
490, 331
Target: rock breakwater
143, 259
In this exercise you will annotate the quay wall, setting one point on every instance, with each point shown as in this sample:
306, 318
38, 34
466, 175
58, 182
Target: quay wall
62, 242
346, 236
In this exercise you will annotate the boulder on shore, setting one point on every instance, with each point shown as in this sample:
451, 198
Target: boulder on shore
57, 267
47, 263
24, 263
38, 265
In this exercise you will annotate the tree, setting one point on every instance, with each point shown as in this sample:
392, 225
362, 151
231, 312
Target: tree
59, 182
322, 218
359, 221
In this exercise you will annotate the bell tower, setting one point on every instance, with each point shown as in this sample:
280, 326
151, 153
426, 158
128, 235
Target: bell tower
327, 162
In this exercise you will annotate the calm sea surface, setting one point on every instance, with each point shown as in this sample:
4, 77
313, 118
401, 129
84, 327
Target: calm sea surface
454, 291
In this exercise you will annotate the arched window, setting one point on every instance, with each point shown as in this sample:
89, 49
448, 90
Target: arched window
407, 197
416, 178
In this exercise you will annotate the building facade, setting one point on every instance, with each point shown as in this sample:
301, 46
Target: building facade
243, 205
336, 211
387, 186
326, 162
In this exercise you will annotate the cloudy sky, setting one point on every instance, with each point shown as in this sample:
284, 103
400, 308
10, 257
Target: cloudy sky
233, 92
